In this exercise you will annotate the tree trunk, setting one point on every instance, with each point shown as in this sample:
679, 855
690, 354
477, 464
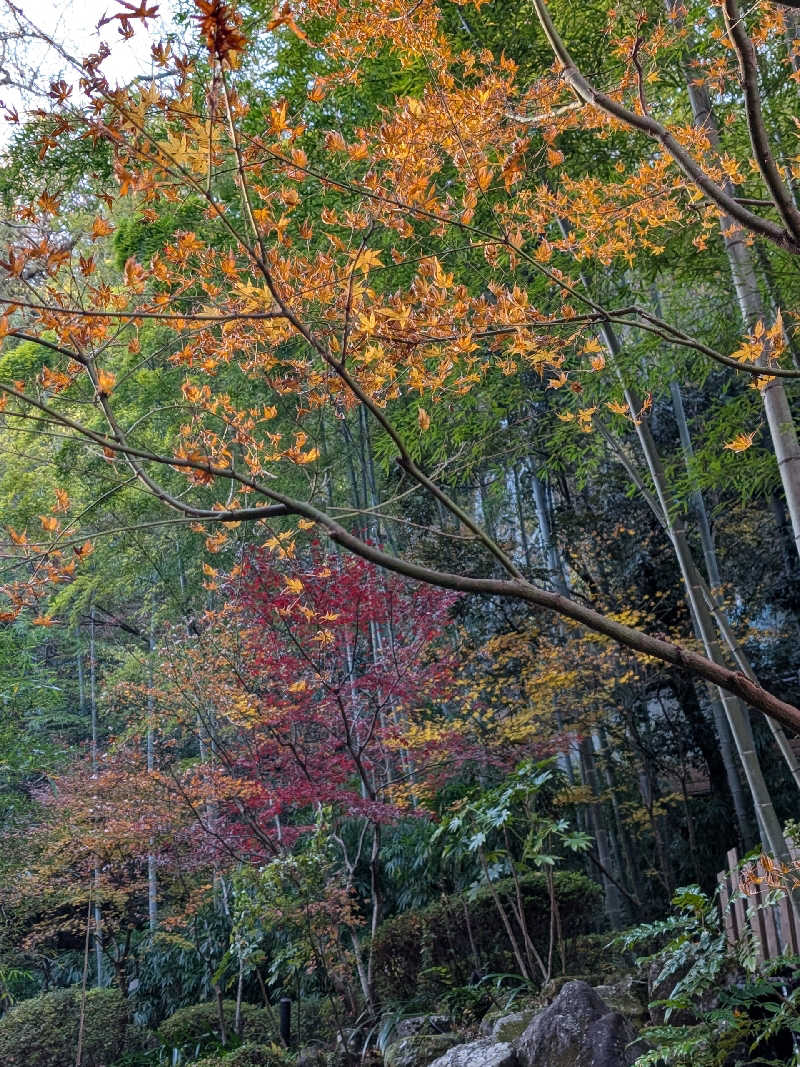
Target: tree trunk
715, 581
751, 307
735, 712
613, 902
501, 911
603, 760
152, 877
515, 490
552, 556
377, 910
223, 1030
737, 715
98, 918
555, 567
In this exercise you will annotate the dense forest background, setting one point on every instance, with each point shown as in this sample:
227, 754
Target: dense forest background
368, 385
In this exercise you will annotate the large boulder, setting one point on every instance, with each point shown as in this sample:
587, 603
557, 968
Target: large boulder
485, 1052
419, 1050
551, 989
578, 1030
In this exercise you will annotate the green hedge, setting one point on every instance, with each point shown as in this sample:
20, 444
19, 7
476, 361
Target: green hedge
198, 1023
43, 1031
249, 1055
437, 938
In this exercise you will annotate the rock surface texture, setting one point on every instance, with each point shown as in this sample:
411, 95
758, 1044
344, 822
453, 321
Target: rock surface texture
419, 1050
485, 1052
508, 1027
422, 1024
578, 1029
627, 996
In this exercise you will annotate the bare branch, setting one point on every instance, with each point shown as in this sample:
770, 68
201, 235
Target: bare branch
748, 72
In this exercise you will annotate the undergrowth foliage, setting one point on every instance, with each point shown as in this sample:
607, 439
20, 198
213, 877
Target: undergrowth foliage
717, 1006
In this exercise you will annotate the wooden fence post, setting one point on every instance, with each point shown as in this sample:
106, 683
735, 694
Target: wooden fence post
774, 926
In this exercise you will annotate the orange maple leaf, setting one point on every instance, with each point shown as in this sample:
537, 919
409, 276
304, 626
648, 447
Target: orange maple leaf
742, 441
100, 228
105, 382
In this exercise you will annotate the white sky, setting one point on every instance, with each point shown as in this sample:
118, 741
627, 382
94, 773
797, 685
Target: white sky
73, 24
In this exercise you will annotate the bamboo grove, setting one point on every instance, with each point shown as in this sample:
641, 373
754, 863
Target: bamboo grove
394, 394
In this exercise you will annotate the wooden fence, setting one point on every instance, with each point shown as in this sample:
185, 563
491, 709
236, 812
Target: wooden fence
774, 926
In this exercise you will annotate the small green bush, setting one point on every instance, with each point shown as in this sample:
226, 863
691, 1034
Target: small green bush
313, 1020
249, 1055
417, 943
43, 1031
198, 1023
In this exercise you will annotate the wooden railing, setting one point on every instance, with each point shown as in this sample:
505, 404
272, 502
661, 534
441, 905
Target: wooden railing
774, 926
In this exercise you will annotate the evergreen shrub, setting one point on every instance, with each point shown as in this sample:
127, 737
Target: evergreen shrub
438, 938
249, 1055
199, 1023
43, 1031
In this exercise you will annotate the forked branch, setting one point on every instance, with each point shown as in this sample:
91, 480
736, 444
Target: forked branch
787, 238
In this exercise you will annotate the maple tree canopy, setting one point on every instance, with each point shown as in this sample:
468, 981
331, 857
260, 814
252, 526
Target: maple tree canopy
344, 281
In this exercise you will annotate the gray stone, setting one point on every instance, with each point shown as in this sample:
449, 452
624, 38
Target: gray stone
488, 1021
527, 1006
419, 1050
422, 1024
551, 989
510, 1027
485, 1052
577, 1030
627, 996
311, 1056
613, 1042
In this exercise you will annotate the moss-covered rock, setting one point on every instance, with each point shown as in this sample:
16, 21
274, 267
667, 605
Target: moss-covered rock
551, 989
43, 1031
419, 1050
524, 1006
485, 1052
512, 1025
578, 1030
